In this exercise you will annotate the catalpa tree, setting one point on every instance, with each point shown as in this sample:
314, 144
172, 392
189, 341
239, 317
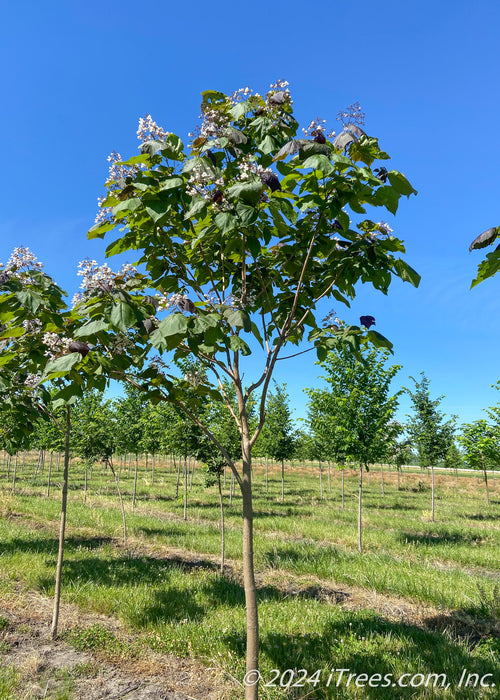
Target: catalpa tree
241, 233
46, 365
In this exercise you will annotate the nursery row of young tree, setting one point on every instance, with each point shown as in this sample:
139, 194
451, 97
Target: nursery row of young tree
351, 419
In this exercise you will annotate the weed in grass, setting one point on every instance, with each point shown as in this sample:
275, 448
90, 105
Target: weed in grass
3, 622
489, 602
9, 683
96, 637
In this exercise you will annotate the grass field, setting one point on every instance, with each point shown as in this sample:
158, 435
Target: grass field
423, 597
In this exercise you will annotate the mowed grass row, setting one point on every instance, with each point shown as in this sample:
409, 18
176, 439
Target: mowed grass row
187, 608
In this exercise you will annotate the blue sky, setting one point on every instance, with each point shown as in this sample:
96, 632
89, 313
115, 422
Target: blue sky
77, 76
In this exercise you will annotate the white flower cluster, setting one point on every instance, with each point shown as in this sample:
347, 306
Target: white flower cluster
199, 181
32, 326
352, 115
101, 276
239, 302
32, 381
278, 94
384, 228
117, 171
23, 259
331, 319
213, 124
241, 94
20, 263
248, 167
211, 297
55, 344
103, 213
315, 127
280, 85
194, 378
164, 303
148, 130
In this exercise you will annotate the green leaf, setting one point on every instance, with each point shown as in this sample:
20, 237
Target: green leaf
225, 222
257, 335
387, 197
173, 148
235, 136
407, 273
321, 352
67, 396
400, 183
238, 345
379, 340
118, 246
90, 328
122, 316
143, 158
489, 267
98, 230
247, 215
171, 183
238, 318
11, 332
209, 96
248, 191
239, 110
156, 208
175, 324
286, 208
29, 299
319, 162
61, 365
198, 204
127, 205
267, 145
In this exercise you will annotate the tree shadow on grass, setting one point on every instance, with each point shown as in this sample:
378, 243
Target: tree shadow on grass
483, 516
46, 545
437, 538
359, 643
169, 605
391, 506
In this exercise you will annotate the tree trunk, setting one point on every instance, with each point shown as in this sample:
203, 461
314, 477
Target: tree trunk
223, 534
135, 480
267, 478
50, 473
399, 478
193, 465
153, 469
185, 474
432, 490
343, 478
282, 480
252, 652
62, 529
360, 496
321, 480
122, 507
231, 490
485, 480
14, 474
329, 478
178, 478
382, 479
85, 487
